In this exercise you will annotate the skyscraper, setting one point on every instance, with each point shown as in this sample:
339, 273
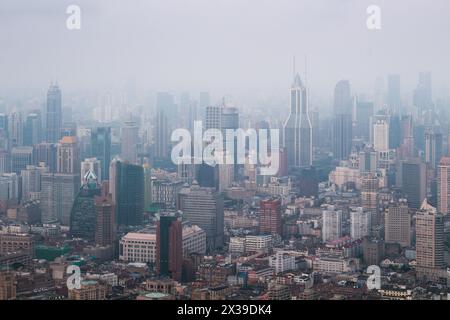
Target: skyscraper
364, 111
127, 190
204, 207
31, 180
105, 231
101, 148
342, 127
33, 129
169, 246
429, 240
130, 141
15, 129
298, 128
165, 114
381, 136
393, 94
443, 186
46, 153
54, 114
270, 217
68, 160
397, 221
433, 148
58, 191
411, 177
423, 100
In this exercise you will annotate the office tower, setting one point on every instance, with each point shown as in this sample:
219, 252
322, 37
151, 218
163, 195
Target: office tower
46, 153
393, 95
429, 239
423, 100
204, 207
21, 157
93, 165
54, 115
130, 141
443, 186
381, 136
33, 129
298, 127
15, 129
213, 117
433, 148
342, 127
364, 111
5, 161
395, 131
331, 224
68, 160
166, 118
31, 180
101, 149
105, 231
169, 247
397, 224
58, 191
407, 138
4, 135
127, 189
270, 217
411, 178
367, 161
360, 223
8, 284
83, 216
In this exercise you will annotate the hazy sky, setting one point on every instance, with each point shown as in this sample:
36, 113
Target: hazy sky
225, 46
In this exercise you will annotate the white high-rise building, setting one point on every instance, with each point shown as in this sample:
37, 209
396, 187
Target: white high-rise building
331, 224
130, 140
298, 128
381, 135
359, 223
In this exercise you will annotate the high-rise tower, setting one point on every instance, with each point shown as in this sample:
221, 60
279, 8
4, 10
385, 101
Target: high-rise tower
54, 114
342, 128
298, 128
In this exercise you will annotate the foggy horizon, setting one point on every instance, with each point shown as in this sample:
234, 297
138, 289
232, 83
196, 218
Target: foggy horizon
229, 48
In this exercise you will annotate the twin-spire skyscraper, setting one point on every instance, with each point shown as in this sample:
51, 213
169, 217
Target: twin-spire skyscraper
298, 127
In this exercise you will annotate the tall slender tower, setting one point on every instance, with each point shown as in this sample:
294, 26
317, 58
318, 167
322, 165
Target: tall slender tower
342, 129
298, 128
54, 114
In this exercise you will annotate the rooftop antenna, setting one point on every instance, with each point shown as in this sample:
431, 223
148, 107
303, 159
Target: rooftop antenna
293, 67
306, 71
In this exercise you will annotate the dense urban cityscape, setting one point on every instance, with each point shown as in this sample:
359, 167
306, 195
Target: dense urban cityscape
99, 199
